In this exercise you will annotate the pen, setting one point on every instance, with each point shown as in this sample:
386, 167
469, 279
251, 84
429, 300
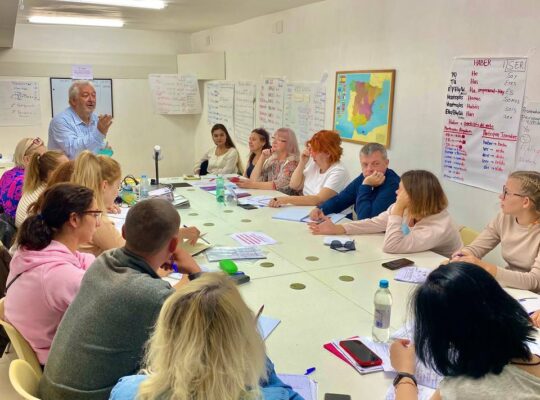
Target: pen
174, 266
528, 298
310, 370
200, 237
259, 313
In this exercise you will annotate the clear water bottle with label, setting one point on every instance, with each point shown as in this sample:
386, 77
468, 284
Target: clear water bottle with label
144, 187
220, 190
383, 309
231, 199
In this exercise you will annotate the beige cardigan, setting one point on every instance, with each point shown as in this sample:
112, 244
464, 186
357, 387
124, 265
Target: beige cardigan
520, 249
436, 233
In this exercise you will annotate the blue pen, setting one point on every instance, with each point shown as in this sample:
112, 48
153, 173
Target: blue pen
174, 266
310, 370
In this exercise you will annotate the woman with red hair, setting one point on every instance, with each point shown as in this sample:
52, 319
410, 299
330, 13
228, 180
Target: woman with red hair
320, 172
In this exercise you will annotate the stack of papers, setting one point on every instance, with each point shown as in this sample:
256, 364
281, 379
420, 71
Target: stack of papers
334, 348
412, 274
258, 201
234, 253
180, 201
301, 384
301, 214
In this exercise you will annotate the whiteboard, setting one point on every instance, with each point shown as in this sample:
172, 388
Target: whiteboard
60, 98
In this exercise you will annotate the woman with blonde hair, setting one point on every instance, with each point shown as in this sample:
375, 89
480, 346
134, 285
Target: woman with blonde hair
275, 166
36, 178
102, 174
11, 183
417, 221
320, 172
517, 229
205, 347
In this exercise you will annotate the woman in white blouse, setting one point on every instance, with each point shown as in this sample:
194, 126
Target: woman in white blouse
223, 157
319, 173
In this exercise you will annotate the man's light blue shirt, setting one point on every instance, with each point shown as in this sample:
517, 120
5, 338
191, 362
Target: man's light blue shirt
67, 132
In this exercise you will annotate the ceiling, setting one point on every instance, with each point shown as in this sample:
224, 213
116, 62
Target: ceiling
180, 15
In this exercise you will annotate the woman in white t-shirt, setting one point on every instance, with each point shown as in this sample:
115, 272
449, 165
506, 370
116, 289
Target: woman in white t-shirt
223, 157
319, 172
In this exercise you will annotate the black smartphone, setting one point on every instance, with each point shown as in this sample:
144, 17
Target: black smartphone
360, 353
335, 396
247, 206
397, 264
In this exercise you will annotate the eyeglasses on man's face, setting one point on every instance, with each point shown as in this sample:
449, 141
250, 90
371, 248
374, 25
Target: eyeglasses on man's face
505, 193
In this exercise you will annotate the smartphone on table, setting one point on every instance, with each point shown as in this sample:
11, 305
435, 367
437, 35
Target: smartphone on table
335, 396
360, 353
397, 264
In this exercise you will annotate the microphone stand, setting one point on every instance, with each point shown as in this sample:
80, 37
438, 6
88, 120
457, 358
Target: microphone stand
156, 160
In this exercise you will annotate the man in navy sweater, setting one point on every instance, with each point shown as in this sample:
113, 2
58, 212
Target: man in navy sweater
371, 193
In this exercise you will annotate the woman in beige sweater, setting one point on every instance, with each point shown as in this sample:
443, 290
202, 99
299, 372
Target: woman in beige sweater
417, 221
517, 229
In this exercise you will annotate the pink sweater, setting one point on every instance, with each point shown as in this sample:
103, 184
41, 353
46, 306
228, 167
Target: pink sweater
520, 249
436, 233
35, 303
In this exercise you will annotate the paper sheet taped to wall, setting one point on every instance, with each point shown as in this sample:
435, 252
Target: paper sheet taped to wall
19, 103
528, 148
481, 120
175, 94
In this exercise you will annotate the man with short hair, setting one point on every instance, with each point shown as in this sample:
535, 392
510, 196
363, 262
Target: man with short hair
102, 335
77, 128
371, 193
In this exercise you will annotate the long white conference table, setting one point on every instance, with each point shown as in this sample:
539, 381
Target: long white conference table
336, 303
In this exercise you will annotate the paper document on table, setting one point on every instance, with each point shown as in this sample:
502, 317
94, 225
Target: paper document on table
121, 215
301, 214
301, 384
266, 325
335, 348
530, 304
253, 238
412, 274
424, 392
195, 249
259, 201
234, 253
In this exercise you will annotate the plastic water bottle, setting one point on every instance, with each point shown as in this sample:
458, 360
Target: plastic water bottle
220, 190
383, 309
144, 187
231, 199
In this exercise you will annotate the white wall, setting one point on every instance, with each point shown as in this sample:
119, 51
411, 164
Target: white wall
419, 38
127, 56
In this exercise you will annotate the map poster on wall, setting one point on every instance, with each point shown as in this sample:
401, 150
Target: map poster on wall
528, 148
270, 104
244, 110
305, 105
482, 115
363, 105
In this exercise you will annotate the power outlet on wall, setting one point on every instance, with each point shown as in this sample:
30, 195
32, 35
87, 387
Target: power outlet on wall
278, 27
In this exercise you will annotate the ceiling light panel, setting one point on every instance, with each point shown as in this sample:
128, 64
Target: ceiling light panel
114, 23
154, 4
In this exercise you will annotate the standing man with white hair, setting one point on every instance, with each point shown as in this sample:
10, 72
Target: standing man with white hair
78, 128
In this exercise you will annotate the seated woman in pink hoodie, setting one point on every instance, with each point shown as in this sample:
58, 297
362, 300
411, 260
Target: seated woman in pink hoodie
417, 221
46, 270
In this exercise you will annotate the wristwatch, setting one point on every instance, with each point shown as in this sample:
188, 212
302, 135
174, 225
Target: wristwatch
402, 375
194, 275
